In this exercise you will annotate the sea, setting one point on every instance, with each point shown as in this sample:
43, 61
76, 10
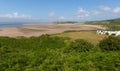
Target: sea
2, 25
15, 24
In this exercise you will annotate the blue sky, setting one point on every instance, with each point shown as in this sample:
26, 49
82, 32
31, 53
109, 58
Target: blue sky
58, 10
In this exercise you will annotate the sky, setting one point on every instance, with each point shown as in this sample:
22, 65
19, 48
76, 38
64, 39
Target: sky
58, 10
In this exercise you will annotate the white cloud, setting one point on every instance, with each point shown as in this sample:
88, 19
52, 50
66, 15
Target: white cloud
15, 15
109, 9
52, 14
82, 13
62, 18
105, 8
95, 12
116, 10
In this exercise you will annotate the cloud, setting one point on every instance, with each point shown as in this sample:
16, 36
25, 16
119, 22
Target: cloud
62, 18
15, 16
105, 8
81, 13
109, 9
95, 12
52, 14
116, 10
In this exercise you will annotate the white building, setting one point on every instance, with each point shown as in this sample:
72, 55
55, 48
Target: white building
109, 32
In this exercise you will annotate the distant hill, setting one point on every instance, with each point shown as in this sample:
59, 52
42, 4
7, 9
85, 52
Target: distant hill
65, 22
105, 22
113, 24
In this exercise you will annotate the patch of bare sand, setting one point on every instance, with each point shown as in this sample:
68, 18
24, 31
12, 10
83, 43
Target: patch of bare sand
40, 29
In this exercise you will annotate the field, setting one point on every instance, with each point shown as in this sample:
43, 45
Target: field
90, 36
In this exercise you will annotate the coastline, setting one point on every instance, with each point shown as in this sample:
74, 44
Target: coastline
28, 30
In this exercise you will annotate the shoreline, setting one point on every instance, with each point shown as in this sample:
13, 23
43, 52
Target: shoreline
28, 30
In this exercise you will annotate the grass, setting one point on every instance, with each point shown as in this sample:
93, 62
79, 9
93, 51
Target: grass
90, 36
31, 30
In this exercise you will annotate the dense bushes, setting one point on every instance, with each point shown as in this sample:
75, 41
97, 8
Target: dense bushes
110, 44
80, 45
52, 42
47, 53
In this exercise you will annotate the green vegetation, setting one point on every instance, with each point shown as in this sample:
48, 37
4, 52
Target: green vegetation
115, 21
89, 35
80, 45
113, 27
113, 24
110, 44
105, 22
52, 53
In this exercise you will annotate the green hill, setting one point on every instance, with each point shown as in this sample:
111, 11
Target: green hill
104, 22
113, 24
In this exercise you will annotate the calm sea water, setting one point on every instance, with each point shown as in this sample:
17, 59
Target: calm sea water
14, 24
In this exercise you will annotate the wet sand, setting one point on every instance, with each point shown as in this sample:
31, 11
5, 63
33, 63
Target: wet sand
29, 30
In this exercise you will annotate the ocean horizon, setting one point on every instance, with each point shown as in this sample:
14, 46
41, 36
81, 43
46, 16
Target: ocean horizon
17, 24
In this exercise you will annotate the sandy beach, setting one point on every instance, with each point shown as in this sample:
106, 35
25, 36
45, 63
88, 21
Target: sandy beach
29, 30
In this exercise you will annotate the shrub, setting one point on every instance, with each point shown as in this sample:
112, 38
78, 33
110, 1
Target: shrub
52, 41
80, 45
110, 44
36, 54
107, 33
113, 34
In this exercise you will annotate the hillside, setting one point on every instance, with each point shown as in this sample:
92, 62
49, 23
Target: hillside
113, 24
104, 22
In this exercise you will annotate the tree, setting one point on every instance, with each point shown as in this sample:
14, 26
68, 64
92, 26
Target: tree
111, 43
80, 45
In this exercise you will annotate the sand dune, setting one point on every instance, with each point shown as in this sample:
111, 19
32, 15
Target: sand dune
39, 29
